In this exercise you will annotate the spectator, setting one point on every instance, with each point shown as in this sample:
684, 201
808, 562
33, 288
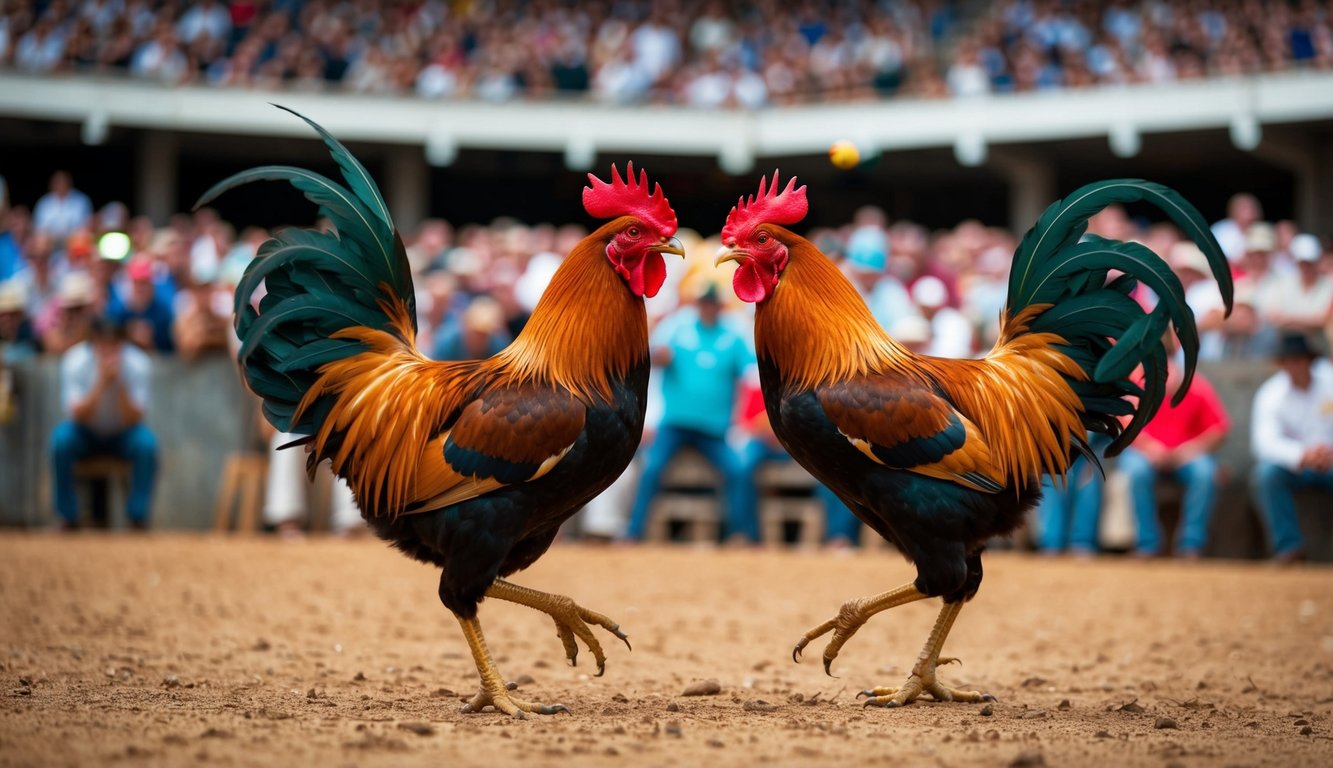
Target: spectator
1178, 443
11, 240
18, 340
67, 318
950, 332
1202, 296
480, 334
1069, 513
205, 18
287, 491
1292, 440
702, 361
104, 389
147, 319
1243, 212
203, 323
61, 211
1300, 301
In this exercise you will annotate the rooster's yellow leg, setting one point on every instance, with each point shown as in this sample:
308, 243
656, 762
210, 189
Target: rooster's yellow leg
922, 680
850, 617
493, 690
571, 619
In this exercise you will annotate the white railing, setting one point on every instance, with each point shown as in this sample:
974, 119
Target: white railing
580, 129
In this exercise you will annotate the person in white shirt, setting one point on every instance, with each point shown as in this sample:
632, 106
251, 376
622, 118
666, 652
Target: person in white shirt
62, 210
1299, 302
1292, 440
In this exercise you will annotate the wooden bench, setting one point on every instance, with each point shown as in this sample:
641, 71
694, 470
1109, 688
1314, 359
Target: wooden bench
115, 473
786, 495
689, 495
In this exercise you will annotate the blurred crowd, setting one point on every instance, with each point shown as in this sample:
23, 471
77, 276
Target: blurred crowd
66, 267
697, 52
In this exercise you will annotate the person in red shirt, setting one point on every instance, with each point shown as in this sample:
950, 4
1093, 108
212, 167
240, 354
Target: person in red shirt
1178, 443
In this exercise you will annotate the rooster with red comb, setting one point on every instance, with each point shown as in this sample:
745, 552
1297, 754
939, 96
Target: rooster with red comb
938, 456
472, 465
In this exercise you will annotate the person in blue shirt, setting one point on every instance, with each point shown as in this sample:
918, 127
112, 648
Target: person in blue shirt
146, 316
701, 361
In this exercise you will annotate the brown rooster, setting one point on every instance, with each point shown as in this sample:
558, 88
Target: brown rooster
938, 455
471, 465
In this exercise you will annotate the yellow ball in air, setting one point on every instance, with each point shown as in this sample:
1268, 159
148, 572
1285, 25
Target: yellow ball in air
844, 154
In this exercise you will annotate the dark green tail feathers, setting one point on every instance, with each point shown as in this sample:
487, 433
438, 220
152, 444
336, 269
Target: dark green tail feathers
317, 283
1107, 332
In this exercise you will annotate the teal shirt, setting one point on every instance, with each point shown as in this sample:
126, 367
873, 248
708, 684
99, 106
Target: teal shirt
699, 385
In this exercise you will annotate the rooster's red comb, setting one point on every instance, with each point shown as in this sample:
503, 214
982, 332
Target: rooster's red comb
767, 207
630, 198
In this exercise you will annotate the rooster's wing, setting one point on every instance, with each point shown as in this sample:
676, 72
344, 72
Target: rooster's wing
903, 423
506, 436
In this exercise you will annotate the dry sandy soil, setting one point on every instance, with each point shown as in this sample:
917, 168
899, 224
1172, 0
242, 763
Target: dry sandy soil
176, 649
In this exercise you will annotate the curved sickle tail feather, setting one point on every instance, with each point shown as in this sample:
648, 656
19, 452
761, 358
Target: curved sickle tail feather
334, 302
1061, 285
317, 284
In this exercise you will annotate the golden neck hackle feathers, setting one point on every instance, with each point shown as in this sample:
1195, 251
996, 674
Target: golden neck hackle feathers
587, 330
817, 328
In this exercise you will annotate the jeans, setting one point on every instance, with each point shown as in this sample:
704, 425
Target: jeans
739, 515
839, 522
1273, 487
71, 442
1070, 516
1199, 477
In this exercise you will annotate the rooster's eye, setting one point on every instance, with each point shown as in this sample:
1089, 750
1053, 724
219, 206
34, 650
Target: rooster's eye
633, 232
763, 238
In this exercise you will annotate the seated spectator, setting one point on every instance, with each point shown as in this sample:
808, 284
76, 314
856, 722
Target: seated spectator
104, 390
204, 322
61, 211
287, 492
479, 335
68, 316
701, 361
1243, 212
1202, 296
1179, 444
146, 316
1069, 513
1299, 302
950, 332
1291, 434
18, 339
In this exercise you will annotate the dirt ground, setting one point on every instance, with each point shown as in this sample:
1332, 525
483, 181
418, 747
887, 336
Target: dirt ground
178, 649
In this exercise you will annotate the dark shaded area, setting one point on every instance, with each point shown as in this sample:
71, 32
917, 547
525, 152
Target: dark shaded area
926, 185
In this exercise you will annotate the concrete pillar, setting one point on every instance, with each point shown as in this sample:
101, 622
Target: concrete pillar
407, 187
157, 169
1032, 184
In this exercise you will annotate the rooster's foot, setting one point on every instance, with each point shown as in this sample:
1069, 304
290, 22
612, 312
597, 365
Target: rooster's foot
850, 618
510, 705
922, 680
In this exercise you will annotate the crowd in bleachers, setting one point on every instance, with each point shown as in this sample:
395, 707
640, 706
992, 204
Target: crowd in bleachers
63, 264
697, 52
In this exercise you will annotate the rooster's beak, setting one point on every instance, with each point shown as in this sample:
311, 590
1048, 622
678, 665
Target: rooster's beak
726, 254
670, 246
